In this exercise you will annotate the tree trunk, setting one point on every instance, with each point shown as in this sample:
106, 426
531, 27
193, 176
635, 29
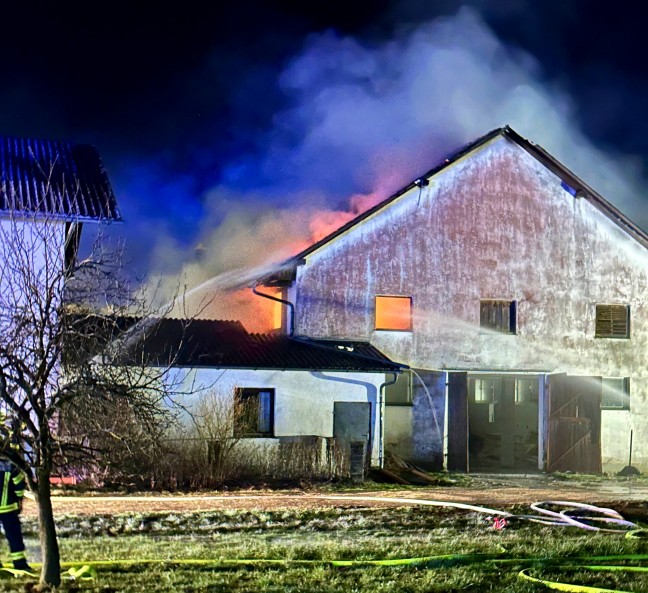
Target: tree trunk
51, 570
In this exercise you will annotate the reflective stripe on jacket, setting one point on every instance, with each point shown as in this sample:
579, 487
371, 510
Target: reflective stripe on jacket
12, 484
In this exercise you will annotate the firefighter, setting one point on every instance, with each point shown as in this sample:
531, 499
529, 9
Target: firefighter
12, 491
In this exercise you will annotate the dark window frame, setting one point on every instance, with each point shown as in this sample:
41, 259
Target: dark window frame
486, 317
612, 321
241, 425
394, 296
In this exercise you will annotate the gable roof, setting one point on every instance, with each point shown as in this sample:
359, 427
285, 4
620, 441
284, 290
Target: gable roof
59, 179
572, 183
227, 344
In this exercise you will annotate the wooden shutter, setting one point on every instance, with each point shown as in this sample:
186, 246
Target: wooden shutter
612, 321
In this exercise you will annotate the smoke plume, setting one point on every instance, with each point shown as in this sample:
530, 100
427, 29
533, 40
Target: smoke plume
363, 119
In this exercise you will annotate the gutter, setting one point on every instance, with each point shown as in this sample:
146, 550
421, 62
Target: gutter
399, 368
283, 302
381, 419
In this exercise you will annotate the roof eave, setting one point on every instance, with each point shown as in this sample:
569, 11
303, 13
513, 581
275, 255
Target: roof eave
32, 215
394, 369
299, 259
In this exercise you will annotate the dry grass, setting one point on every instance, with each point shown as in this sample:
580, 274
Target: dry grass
322, 535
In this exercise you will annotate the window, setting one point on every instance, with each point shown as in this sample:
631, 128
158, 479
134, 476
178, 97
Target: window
394, 313
612, 321
483, 390
499, 316
616, 393
400, 393
253, 412
527, 391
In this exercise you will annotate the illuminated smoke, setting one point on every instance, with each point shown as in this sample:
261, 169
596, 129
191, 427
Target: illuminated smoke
364, 120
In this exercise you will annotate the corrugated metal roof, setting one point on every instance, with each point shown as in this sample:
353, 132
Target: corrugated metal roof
226, 344
55, 178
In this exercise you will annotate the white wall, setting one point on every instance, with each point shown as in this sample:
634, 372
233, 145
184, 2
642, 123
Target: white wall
26, 247
304, 400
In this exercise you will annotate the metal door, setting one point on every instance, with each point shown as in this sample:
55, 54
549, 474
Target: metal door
352, 421
352, 436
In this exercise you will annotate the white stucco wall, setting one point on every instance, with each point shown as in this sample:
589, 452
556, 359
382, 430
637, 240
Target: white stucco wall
32, 260
495, 225
304, 400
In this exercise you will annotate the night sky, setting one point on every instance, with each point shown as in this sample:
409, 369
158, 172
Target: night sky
255, 118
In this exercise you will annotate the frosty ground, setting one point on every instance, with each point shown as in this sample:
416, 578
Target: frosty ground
289, 539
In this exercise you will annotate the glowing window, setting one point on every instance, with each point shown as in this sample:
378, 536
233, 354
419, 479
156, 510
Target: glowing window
612, 321
394, 313
277, 312
616, 393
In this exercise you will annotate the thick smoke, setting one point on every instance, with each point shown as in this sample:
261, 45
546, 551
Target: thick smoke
365, 119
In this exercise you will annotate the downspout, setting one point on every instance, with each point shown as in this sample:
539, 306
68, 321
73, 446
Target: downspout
284, 302
381, 419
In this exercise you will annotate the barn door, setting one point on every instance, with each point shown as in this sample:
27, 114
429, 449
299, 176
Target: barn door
574, 424
458, 422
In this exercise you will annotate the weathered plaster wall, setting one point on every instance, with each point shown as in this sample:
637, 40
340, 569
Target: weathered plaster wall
498, 225
303, 400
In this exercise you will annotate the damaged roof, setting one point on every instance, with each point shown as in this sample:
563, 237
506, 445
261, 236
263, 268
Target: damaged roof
227, 344
574, 184
60, 179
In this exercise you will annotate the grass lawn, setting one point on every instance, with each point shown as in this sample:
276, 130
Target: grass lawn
154, 547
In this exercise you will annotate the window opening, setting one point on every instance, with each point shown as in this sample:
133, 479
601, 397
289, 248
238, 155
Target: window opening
500, 316
616, 393
253, 412
393, 313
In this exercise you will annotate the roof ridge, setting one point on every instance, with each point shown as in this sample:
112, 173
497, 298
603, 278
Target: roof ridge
535, 150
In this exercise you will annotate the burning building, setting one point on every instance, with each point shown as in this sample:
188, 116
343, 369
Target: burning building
517, 296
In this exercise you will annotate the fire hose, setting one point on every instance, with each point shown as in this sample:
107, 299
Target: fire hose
571, 514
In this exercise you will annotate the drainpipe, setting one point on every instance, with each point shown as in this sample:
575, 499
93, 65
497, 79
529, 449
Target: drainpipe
278, 300
381, 420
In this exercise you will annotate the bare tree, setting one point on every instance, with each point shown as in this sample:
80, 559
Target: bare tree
214, 418
61, 350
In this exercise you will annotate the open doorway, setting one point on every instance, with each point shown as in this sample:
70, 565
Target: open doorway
503, 422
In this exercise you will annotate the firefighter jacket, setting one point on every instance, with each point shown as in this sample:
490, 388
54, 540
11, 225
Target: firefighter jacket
12, 486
